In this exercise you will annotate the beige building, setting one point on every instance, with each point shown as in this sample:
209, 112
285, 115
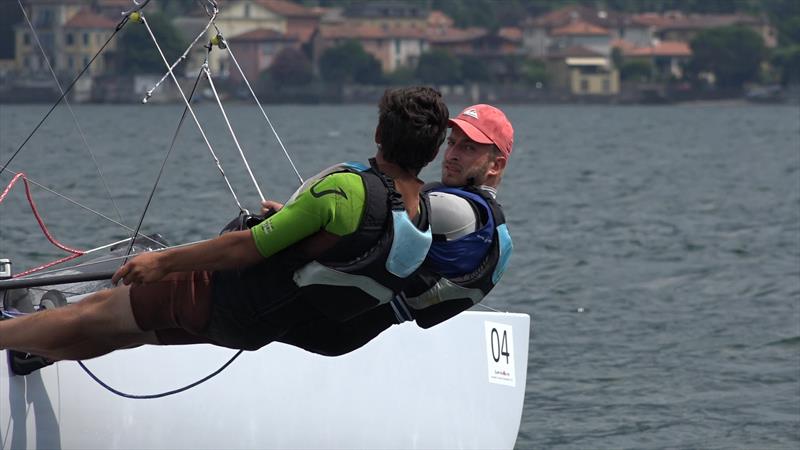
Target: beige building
583, 72
84, 35
67, 30
592, 76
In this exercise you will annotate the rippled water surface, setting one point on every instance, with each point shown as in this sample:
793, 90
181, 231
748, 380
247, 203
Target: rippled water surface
657, 249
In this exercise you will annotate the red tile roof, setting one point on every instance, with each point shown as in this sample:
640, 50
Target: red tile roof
665, 48
580, 28
623, 45
88, 19
513, 34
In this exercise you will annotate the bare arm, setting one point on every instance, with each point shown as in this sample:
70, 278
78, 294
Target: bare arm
230, 251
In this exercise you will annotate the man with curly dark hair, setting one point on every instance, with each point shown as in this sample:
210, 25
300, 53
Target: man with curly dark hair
345, 242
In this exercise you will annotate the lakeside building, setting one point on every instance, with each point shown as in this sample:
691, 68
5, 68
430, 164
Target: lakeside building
583, 72
575, 43
393, 47
257, 49
70, 34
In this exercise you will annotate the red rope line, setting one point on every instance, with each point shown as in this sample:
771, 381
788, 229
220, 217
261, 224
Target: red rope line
75, 253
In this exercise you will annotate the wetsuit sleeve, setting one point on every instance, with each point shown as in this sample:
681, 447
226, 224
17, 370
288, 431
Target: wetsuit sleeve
334, 204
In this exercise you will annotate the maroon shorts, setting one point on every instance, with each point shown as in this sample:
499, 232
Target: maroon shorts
177, 308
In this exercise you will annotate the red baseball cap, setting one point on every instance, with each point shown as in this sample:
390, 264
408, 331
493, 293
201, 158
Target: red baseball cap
486, 124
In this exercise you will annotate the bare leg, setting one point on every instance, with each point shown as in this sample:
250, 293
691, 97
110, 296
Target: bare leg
99, 324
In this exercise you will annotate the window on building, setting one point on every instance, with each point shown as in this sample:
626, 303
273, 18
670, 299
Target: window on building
606, 85
70, 39
86, 39
26, 38
44, 19
85, 61
70, 62
247, 10
584, 85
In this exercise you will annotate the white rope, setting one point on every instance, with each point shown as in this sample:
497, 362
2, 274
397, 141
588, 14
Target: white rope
258, 103
230, 128
181, 58
487, 307
191, 111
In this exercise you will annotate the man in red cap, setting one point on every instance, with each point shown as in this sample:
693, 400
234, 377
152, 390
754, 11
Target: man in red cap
471, 244
480, 143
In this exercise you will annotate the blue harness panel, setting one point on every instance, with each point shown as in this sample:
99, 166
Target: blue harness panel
409, 247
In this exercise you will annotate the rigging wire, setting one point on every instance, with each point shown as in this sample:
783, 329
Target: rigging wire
69, 107
161, 169
258, 103
139, 5
191, 111
80, 205
181, 58
114, 258
226, 45
230, 128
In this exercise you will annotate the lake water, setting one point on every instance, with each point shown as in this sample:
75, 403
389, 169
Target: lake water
657, 249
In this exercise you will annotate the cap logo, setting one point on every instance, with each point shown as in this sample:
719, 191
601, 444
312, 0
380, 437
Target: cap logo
471, 112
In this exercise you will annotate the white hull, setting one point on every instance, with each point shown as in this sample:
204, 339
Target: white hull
409, 388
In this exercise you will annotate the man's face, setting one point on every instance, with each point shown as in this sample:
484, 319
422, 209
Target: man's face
466, 161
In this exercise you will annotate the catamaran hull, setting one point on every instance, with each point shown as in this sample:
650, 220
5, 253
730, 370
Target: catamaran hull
458, 385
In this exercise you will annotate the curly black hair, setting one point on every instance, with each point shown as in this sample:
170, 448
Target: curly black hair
412, 125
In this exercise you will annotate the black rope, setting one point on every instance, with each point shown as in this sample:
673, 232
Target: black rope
163, 164
66, 91
162, 394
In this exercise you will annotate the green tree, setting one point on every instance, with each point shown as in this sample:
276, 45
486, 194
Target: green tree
137, 53
347, 63
439, 67
369, 71
787, 61
534, 72
733, 54
401, 76
636, 70
617, 57
290, 68
474, 69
